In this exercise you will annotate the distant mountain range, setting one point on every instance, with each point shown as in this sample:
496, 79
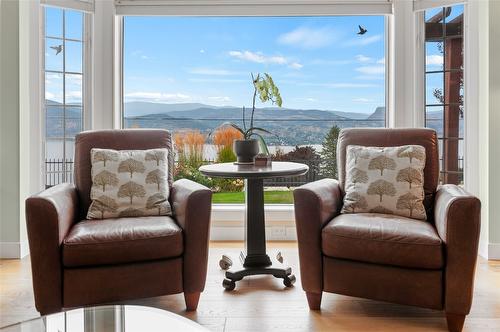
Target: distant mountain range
291, 126
138, 108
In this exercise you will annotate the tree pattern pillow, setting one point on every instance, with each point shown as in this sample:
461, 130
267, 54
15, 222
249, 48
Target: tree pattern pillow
386, 180
129, 183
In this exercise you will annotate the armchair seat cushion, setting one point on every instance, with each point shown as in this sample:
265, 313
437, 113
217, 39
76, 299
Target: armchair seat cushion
122, 240
383, 239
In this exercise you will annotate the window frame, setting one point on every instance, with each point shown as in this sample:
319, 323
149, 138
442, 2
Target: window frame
87, 79
287, 10
421, 73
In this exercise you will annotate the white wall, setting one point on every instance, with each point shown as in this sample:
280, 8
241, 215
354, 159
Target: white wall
20, 123
102, 50
9, 129
493, 177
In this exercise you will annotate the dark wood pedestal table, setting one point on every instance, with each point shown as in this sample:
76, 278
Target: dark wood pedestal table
255, 260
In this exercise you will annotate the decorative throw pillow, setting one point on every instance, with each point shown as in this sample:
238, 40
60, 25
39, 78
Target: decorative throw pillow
129, 183
386, 180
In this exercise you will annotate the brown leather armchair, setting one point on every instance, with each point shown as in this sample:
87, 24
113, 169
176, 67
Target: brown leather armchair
78, 262
428, 264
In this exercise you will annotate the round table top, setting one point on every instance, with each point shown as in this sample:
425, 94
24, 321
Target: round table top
276, 169
110, 318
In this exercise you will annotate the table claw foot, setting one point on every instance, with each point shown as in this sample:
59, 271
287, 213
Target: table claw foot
228, 284
225, 263
279, 257
289, 280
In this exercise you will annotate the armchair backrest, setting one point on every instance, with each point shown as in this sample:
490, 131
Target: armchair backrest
125, 139
394, 137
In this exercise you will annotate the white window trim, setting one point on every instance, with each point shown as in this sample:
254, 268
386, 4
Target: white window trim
422, 5
253, 8
80, 5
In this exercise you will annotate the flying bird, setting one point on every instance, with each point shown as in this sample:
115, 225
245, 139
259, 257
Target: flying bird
362, 30
57, 48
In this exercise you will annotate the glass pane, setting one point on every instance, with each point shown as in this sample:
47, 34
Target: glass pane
53, 22
453, 87
73, 122
74, 56
434, 12
74, 24
453, 48
54, 111
433, 56
74, 89
69, 145
207, 80
434, 118
54, 54
53, 88
434, 93
54, 127
455, 13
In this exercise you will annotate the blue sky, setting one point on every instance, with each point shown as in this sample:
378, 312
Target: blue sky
72, 53
317, 62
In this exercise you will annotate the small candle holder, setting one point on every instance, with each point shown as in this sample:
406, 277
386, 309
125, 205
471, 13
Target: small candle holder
262, 160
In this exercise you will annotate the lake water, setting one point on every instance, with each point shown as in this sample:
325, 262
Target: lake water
54, 149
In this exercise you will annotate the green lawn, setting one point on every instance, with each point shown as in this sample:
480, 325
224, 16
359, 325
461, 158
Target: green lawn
270, 197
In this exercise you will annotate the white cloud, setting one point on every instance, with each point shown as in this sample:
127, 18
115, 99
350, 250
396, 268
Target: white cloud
363, 41
73, 95
296, 65
49, 95
308, 38
219, 98
363, 100
371, 70
381, 61
140, 54
157, 96
307, 99
434, 60
362, 58
259, 57
212, 71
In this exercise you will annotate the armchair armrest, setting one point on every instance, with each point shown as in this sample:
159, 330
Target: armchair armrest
49, 216
192, 205
457, 216
316, 203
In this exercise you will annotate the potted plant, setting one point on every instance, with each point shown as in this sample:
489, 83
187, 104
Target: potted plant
252, 141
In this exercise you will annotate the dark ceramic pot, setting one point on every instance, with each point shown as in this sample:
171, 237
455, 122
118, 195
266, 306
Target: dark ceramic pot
246, 150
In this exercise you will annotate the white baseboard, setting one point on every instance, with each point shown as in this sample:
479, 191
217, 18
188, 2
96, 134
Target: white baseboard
228, 225
494, 251
237, 233
13, 250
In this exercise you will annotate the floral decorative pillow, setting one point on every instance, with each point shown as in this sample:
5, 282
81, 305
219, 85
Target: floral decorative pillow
129, 183
386, 180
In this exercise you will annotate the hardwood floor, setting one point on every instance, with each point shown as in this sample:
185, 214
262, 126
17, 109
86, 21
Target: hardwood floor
264, 304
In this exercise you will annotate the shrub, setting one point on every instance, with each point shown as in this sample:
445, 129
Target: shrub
329, 153
228, 185
182, 171
223, 139
189, 146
